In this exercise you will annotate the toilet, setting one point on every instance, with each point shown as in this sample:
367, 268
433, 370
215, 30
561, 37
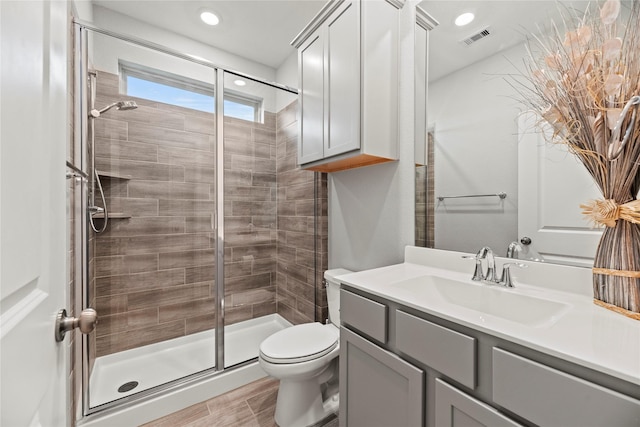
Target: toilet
305, 359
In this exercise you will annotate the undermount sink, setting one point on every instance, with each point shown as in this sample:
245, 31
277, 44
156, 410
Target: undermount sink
486, 299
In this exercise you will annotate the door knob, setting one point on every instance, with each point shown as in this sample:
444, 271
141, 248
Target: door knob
86, 322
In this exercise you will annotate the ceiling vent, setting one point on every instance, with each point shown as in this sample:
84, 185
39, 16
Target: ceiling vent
477, 36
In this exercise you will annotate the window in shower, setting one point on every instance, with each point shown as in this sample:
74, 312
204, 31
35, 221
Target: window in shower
156, 85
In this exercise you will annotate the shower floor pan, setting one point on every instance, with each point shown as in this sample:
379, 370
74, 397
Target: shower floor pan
159, 363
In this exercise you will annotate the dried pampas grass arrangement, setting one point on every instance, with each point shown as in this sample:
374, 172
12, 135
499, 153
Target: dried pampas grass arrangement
584, 81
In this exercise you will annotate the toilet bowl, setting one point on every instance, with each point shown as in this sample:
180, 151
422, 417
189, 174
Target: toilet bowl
305, 359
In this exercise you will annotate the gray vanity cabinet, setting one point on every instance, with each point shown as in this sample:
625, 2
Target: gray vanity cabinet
453, 408
400, 366
547, 396
381, 389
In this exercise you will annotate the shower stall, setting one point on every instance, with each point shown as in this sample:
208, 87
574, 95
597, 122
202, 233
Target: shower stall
199, 236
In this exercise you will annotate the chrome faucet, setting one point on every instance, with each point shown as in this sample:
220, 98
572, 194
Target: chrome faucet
512, 249
490, 276
506, 280
478, 274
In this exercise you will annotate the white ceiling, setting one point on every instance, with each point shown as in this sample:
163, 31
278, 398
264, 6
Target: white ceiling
509, 22
260, 30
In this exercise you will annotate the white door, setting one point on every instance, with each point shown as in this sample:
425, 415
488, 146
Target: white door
551, 186
33, 135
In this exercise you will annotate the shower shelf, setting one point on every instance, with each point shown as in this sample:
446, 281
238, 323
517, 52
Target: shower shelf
112, 216
113, 175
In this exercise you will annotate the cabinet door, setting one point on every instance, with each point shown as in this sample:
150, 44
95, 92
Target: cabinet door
377, 388
311, 69
342, 83
453, 408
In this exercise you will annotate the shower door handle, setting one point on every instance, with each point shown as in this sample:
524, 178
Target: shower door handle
86, 322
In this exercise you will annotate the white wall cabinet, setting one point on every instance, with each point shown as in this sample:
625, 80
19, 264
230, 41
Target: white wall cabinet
348, 78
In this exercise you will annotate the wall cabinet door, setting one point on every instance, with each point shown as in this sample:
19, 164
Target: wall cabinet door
311, 62
377, 388
330, 87
454, 408
342, 83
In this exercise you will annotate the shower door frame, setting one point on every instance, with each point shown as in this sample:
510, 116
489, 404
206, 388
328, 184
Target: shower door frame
81, 31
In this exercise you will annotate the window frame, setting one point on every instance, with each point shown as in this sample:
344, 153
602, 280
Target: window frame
129, 69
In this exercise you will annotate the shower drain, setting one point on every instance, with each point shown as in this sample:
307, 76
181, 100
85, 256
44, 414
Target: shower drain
127, 386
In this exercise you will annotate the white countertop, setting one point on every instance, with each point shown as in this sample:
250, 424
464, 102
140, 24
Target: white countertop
583, 333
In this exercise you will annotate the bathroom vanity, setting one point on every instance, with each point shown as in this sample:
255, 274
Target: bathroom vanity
423, 345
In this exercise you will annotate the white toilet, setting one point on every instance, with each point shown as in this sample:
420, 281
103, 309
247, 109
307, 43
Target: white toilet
305, 360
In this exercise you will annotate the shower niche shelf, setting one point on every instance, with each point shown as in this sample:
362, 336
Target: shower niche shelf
113, 175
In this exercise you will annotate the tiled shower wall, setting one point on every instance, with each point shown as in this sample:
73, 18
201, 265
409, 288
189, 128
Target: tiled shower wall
154, 268
154, 264
301, 297
425, 199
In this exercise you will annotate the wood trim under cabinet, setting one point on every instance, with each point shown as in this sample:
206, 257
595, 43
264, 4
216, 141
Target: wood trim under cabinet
348, 163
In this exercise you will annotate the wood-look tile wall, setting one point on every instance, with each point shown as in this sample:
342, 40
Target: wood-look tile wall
421, 206
302, 259
250, 218
153, 273
425, 199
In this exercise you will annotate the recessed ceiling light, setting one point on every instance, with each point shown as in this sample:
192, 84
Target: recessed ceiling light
240, 82
464, 19
209, 18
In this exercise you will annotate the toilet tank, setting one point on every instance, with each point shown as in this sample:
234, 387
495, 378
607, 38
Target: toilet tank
333, 293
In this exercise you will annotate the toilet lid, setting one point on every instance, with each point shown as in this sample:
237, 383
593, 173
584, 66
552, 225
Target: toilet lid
300, 343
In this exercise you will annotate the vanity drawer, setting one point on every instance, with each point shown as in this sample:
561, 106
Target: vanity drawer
440, 348
363, 314
546, 396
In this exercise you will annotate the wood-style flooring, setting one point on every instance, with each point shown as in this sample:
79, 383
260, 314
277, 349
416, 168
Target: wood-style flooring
252, 405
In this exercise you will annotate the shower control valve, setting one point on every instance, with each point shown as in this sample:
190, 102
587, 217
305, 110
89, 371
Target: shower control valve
86, 322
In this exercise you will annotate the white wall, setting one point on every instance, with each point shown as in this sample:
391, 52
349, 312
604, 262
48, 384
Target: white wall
287, 74
371, 209
474, 115
122, 24
107, 51
83, 9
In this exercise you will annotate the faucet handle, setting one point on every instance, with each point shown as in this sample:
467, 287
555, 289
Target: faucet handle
506, 279
478, 275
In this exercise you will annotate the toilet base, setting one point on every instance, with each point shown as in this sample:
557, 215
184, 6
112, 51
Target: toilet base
300, 404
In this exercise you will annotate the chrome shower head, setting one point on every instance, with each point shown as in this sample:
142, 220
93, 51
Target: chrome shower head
126, 105
120, 105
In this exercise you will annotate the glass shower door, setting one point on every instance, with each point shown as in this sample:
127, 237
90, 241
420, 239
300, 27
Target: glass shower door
152, 266
266, 261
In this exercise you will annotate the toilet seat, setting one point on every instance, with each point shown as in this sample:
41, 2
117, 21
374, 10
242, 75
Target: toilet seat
299, 343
